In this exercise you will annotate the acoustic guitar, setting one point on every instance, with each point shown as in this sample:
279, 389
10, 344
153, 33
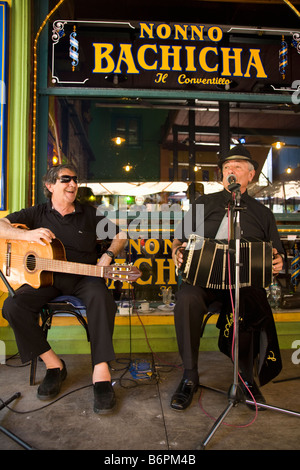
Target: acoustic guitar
30, 263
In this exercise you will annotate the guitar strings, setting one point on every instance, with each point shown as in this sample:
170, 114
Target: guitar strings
33, 263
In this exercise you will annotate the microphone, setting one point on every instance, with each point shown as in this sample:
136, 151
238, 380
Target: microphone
231, 179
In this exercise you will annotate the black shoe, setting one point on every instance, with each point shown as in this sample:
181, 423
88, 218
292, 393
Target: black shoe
104, 397
50, 387
255, 394
183, 396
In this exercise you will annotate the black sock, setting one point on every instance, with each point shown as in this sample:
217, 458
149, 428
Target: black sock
191, 374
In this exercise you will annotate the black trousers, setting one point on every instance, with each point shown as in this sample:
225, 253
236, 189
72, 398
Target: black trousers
22, 313
191, 305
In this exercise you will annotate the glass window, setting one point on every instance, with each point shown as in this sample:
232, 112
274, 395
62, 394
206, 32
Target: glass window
127, 128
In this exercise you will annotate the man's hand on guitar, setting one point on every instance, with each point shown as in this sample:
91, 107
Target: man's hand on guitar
43, 236
105, 260
17, 231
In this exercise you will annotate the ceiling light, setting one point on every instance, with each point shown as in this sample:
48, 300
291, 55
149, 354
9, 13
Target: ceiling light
229, 86
278, 145
118, 140
127, 167
115, 78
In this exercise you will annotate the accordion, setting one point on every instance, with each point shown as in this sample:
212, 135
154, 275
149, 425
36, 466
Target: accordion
211, 263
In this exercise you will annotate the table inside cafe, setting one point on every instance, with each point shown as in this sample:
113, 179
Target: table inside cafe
144, 307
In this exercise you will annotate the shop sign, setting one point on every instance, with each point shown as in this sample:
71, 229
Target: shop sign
172, 56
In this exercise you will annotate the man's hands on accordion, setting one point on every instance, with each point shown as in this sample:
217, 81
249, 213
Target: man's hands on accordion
177, 252
178, 249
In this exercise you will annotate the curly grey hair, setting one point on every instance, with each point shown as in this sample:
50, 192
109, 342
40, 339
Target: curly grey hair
52, 175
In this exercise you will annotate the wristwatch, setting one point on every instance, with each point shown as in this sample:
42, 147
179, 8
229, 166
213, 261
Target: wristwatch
110, 253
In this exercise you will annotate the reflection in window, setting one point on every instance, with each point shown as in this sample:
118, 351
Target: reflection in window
127, 128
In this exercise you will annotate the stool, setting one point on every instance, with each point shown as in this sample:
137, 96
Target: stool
64, 304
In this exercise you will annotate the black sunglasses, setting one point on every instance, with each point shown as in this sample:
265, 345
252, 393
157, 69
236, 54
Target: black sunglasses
68, 178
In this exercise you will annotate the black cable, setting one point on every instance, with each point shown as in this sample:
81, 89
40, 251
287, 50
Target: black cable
16, 355
121, 379
48, 404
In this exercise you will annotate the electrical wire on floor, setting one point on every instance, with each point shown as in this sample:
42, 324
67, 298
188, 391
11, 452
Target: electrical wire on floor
133, 366
152, 371
44, 406
153, 379
19, 366
225, 424
129, 361
138, 377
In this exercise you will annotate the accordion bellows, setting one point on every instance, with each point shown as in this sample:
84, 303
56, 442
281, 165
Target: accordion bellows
211, 263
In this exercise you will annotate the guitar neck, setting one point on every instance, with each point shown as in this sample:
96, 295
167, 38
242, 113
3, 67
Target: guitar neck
70, 267
31, 263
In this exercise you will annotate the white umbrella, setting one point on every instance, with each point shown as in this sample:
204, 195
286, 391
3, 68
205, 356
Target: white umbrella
136, 189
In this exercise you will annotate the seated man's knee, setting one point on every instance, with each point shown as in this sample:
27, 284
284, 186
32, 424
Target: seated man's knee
191, 295
9, 308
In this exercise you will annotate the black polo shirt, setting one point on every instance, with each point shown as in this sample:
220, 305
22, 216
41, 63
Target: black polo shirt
257, 220
77, 231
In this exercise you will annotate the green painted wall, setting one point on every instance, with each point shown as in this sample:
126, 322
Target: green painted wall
19, 100
161, 338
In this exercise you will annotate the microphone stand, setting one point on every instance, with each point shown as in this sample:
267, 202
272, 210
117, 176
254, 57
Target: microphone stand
235, 393
17, 394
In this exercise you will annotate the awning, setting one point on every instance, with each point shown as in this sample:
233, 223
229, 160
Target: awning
135, 189
284, 190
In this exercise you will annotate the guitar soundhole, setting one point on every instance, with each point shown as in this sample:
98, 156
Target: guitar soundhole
30, 262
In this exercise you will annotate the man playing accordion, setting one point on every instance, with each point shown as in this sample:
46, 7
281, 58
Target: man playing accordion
257, 328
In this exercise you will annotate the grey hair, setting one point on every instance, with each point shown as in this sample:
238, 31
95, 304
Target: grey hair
52, 175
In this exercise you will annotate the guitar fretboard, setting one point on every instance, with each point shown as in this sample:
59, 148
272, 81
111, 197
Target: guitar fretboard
69, 267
